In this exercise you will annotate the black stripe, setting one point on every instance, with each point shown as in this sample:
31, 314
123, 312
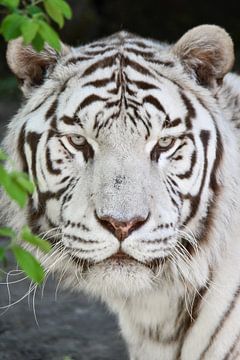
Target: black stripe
39, 105
221, 323
62, 144
33, 140
219, 155
144, 85
177, 149
50, 165
137, 67
51, 111
177, 158
153, 101
189, 172
89, 100
98, 52
161, 62
173, 123
190, 109
21, 142
65, 83
77, 59
98, 129
233, 347
132, 119
207, 222
68, 120
35, 214
106, 62
64, 179
99, 83
195, 200
74, 120
140, 52
98, 44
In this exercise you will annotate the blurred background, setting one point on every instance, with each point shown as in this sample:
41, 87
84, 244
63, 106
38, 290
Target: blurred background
74, 327
159, 19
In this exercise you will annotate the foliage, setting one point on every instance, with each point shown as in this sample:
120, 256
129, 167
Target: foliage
18, 187
31, 20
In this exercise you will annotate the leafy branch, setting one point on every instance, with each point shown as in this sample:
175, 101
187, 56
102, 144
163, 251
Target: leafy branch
18, 187
31, 20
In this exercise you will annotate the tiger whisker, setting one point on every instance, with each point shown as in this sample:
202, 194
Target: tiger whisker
45, 233
63, 272
34, 306
19, 300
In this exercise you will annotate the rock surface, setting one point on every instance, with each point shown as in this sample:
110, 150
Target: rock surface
71, 327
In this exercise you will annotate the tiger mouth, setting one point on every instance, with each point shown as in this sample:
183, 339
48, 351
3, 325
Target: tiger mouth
119, 258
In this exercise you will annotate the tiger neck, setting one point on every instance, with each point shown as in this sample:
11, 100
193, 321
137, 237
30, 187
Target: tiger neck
164, 324
156, 322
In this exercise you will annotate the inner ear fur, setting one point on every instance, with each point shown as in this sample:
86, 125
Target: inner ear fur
30, 66
207, 52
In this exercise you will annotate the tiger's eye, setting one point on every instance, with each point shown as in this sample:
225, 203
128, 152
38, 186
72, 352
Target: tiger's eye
166, 142
76, 140
80, 143
162, 145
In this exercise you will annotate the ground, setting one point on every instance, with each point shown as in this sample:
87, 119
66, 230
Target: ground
71, 326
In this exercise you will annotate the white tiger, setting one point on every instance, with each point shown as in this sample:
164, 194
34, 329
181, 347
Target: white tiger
133, 146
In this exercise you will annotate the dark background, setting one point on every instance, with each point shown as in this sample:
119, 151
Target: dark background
164, 20
75, 326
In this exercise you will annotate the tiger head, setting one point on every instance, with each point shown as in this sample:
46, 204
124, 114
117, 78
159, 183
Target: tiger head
125, 140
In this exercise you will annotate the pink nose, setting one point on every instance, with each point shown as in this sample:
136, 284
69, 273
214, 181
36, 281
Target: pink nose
121, 229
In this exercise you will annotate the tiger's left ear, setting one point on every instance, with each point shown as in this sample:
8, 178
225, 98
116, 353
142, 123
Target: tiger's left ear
207, 53
29, 66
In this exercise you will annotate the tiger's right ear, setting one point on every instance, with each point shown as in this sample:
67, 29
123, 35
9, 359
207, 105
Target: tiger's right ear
207, 53
30, 66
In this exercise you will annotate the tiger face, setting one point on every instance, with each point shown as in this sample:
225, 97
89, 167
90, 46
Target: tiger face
122, 139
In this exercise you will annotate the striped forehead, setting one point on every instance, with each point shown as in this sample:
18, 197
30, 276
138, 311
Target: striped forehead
109, 85
99, 108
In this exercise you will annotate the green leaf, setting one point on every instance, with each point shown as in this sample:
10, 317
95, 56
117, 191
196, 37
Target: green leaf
38, 43
26, 184
53, 11
10, 3
49, 35
22, 180
29, 30
3, 156
2, 253
65, 8
34, 10
28, 264
10, 27
4, 177
7, 232
29, 237
17, 194
12, 188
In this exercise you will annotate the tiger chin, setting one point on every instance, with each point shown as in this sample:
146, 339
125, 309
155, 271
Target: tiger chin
134, 149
